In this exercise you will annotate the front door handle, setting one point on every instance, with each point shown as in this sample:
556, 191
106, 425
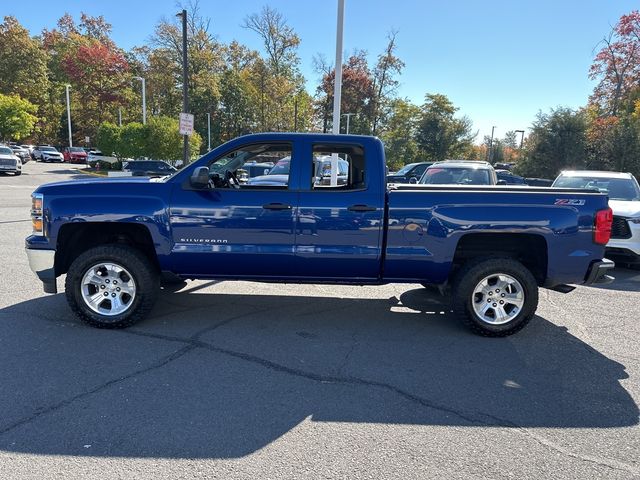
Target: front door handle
361, 208
276, 206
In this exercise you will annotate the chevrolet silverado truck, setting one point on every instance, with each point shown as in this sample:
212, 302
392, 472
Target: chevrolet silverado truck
489, 247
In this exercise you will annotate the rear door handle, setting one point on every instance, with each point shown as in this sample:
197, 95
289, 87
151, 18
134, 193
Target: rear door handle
276, 206
362, 208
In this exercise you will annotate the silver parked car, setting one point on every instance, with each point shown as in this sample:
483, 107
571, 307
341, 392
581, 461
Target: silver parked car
9, 161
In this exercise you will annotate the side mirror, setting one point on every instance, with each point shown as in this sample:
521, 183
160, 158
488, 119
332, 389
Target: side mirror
413, 180
200, 178
501, 182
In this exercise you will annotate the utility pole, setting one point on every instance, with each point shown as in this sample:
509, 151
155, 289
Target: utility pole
348, 115
67, 87
185, 80
337, 88
521, 132
490, 152
295, 113
119, 116
208, 132
144, 100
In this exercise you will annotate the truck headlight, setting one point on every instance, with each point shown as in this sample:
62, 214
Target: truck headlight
36, 213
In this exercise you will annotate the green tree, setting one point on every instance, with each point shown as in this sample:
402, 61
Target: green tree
164, 142
557, 141
17, 117
23, 63
399, 136
108, 139
441, 134
159, 139
134, 141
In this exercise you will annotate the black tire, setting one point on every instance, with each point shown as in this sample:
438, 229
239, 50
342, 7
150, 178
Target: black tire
144, 273
17, 174
471, 274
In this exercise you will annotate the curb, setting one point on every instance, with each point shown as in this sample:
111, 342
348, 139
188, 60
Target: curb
90, 173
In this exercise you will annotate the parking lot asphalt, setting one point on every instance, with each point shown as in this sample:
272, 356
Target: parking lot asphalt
251, 380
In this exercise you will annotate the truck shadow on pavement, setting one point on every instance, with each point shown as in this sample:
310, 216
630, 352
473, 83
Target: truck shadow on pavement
222, 376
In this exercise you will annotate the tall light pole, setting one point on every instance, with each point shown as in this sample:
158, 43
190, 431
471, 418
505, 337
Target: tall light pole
208, 132
521, 132
144, 99
67, 87
337, 88
490, 152
185, 80
348, 115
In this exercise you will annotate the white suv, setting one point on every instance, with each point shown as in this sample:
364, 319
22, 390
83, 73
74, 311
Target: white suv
624, 200
46, 153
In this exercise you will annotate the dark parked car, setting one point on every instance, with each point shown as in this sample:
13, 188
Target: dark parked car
410, 173
148, 168
538, 182
510, 178
21, 152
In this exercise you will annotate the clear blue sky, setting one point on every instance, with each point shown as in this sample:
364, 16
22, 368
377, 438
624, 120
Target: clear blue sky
499, 61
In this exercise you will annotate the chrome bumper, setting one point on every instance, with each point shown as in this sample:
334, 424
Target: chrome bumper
41, 263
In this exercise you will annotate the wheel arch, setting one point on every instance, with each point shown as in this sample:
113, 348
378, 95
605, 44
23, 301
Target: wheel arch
530, 249
74, 238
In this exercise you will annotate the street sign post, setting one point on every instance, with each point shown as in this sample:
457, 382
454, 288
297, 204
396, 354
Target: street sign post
186, 124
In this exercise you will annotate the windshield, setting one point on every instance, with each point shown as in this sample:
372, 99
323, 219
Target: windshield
456, 176
404, 170
47, 149
76, 149
5, 151
616, 188
281, 168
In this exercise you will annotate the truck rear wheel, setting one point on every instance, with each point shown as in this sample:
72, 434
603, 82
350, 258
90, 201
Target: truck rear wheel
112, 286
495, 297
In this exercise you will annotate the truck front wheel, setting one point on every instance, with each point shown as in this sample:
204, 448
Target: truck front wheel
112, 286
495, 297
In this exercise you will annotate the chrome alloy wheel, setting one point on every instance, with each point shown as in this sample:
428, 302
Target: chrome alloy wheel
497, 299
108, 289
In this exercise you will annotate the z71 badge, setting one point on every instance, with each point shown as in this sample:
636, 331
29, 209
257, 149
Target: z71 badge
569, 201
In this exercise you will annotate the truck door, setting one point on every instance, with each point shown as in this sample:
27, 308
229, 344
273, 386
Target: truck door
339, 223
241, 227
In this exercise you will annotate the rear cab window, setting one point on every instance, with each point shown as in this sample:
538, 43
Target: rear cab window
348, 162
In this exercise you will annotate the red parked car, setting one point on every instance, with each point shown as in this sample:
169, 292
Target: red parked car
74, 155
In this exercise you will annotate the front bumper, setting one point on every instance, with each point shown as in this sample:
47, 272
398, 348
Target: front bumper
11, 168
597, 273
42, 263
630, 245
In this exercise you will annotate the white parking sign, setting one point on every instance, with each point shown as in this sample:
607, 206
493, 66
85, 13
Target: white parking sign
186, 124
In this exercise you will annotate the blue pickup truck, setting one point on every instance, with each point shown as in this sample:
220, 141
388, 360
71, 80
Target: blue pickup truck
490, 247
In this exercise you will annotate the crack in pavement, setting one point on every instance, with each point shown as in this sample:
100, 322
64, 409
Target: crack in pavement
470, 417
193, 342
52, 408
